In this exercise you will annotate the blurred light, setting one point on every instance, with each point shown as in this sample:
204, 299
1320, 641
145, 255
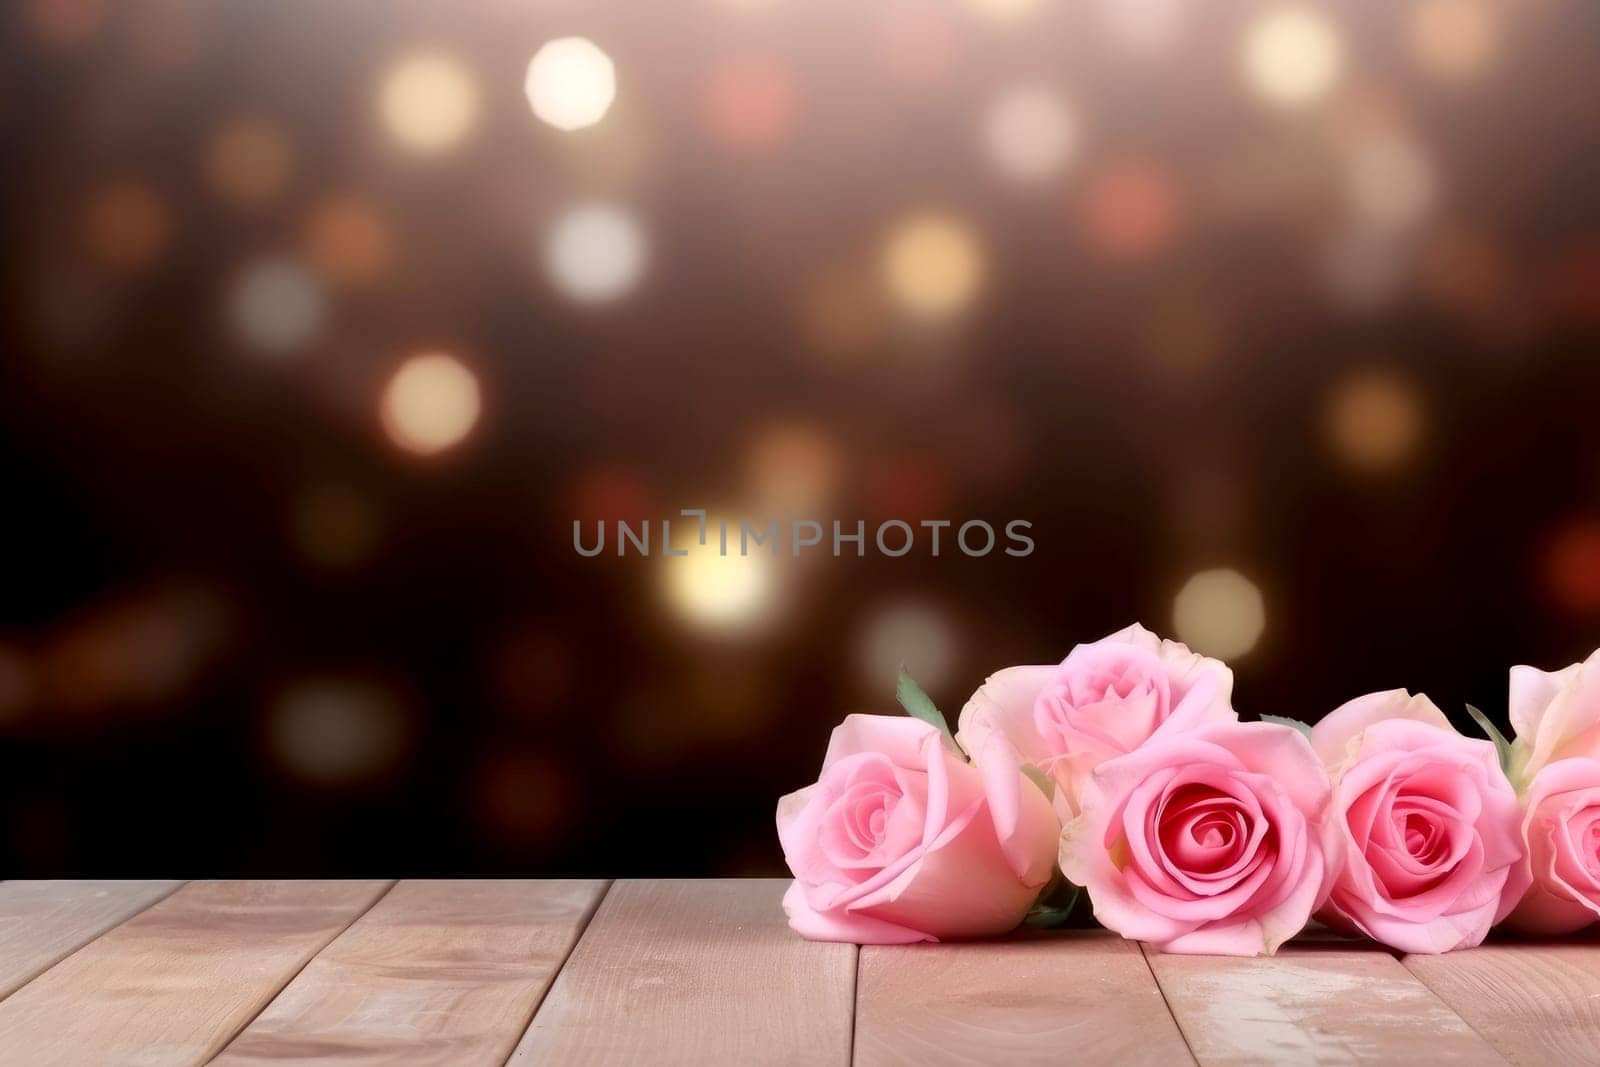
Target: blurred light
530, 670
1572, 566
347, 240
335, 527
912, 634
66, 22
277, 306
71, 309
431, 404
1130, 210
1454, 39
137, 649
1030, 134
1219, 613
17, 684
571, 83
522, 799
338, 731
595, 254
1466, 271
1292, 55
751, 103
1003, 10
1184, 334
607, 494
793, 469
1143, 27
249, 161
428, 101
933, 266
1374, 420
843, 313
1389, 182
908, 486
126, 225
919, 43
716, 591
1363, 270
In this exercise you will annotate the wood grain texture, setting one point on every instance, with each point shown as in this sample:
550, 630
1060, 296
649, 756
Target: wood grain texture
174, 983
445, 972
695, 972
1084, 997
43, 922
1312, 1003
1537, 1002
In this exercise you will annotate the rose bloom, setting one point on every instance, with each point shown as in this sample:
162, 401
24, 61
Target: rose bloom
1556, 715
1561, 829
1104, 700
902, 839
1427, 824
1206, 841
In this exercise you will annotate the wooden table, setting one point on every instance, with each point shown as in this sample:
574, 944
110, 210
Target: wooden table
694, 972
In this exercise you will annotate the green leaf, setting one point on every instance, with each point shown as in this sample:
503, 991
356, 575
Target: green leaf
918, 704
1304, 728
1058, 912
1501, 746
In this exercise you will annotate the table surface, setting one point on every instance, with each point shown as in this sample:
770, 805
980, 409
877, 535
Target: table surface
695, 972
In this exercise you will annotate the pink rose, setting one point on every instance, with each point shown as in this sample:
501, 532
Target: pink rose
1104, 700
1561, 828
1427, 824
1206, 841
901, 839
1556, 715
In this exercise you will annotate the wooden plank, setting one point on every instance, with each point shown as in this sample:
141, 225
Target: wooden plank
1314, 1002
445, 972
174, 983
1084, 997
43, 922
1537, 1002
696, 972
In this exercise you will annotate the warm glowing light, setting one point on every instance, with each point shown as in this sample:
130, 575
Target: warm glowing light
431, 404
595, 254
1363, 269
336, 731
1030, 134
249, 161
793, 469
1454, 40
1374, 421
1219, 613
1143, 27
277, 306
719, 591
915, 635
1572, 566
126, 225
335, 527
751, 103
1003, 10
1130, 210
843, 314
919, 44
1389, 182
347, 239
66, 22
429, 102
933, 266
571, 83
1292, 56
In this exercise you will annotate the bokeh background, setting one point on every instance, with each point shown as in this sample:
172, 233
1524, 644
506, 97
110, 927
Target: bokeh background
323, 322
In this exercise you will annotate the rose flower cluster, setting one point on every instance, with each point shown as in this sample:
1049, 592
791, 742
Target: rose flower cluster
1124, 774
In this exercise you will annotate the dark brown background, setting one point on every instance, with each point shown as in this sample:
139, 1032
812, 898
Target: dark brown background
242, 632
